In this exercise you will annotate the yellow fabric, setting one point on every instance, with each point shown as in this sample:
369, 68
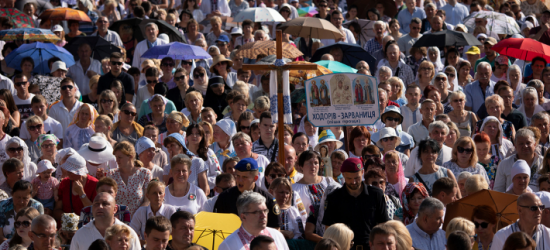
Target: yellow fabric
93, 112
291, 176
225, 153
138, 128
212, 228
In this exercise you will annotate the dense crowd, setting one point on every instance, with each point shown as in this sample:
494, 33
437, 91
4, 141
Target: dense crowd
124, 152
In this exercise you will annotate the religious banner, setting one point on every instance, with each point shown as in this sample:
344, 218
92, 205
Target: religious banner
342, 100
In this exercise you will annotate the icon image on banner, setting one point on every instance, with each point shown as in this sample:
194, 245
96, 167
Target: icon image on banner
341, 89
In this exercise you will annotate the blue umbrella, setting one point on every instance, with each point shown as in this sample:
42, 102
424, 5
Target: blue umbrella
177, 51
40, 53
352, 54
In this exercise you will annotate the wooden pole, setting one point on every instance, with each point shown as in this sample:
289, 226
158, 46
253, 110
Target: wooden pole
280, 102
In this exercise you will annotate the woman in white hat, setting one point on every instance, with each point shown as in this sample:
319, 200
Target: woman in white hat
222, 146
17, 148
99, 156
392, 118
389, 141
521, 175
145, 149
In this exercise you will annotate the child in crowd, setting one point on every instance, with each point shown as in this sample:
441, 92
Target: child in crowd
208, 115
45, 186
255, 130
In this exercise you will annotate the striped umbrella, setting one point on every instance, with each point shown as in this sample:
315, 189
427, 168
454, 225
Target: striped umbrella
17, 17
252, 50
29, 34
65, 14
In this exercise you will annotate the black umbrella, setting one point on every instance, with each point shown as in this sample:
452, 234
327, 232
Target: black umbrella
447, 38
101, 48
174, 34
130, 23
40, 5
352, 54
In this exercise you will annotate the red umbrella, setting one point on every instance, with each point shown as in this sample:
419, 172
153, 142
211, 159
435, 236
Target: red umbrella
522, 48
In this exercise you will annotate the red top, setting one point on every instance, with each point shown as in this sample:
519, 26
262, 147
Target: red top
65, 193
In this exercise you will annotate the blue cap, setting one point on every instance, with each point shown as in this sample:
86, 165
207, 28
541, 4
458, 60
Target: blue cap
223, 38
247, 164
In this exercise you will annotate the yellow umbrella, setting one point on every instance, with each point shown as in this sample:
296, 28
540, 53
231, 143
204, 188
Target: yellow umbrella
299, 76
212, 228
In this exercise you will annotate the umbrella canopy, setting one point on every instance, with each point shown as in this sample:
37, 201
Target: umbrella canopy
212, 228
307, 11
496, 22
352, 54
505, 205
177, 51
174, 34
299, 76
101, 48
367, 29
29, 34
522, 48
336, 67
362, 6
65, 14
447, 38
298, 95
40, 53
311, 27
252, 50
18, 18
259, 15
41, 5
129, 24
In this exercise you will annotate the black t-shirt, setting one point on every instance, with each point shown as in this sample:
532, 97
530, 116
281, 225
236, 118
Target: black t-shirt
106, 80
86, 99
360, 213
227, 203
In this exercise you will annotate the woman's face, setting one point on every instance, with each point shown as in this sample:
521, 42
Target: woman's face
392, 165
239, 106
174, 149
440, 83
395, 88
180, 172
156, 195
207, 134
521, 181
216, 26
58, 34
384, 76
450, 75
24, 227
35, 130
464, 71
494, 109
309, 128
147, 155
242, 147
426, 71
245, 127
452, 59
482, 149
128, 118
451, 138
170, 20
467, 153
395, 27
172, 126
435, 96
377, 182
282, 194
21, 198
122, 159
16, 151
380, 8
195, 137
157, 107
388, 143
118, 94
428, 156
432, 55
415, 201
480, 230
352, 12
529, 100
120, 241
372, 16
194, 104
311, 167
360, 142
492, 129
220, 135
26, 67
107, 105
288, 138
192, 28
48, 148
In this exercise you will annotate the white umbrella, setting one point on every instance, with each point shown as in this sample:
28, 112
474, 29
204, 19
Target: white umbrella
497, 23
259, 15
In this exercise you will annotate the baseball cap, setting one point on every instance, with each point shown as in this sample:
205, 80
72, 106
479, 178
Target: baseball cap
223, 38
491, 41
246, 164
473, 51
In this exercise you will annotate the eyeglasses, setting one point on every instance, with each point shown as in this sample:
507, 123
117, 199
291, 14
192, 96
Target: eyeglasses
25, 224
275, 176
427, 69
116, 63
179, 78
36, 127
19, 84
149, 81
393, 119
47, 146
107, 101
387, 139
245, 127
167, 64
285, 10
482, 224
130, 113
441, 79
462, 150
13, 150
42, 236
323, 6
198, 75
450, 75
70, 87
370, 156
186, 63
415, 28
458, 100
221, 44
534, 208
264, 211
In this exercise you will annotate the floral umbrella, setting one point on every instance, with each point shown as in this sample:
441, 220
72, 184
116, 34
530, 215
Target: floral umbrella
28, 34
17, 17
252, 50
496, 22
299, 76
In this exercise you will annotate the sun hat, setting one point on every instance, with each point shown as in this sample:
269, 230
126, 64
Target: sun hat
218, 59
519, 167
228, 126
223, 38
391, 109
97, 151
143, 144
236, 31
64, 152
44, 165
388, 132
327, 136
76, 164
179, 117
59, 65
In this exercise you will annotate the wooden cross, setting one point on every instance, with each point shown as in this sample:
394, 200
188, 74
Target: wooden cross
280, 107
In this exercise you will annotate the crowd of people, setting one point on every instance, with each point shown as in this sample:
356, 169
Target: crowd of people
122, 153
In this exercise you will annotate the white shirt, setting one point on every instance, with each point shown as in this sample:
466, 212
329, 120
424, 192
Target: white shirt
190, 202
51, 126
141, 48
413, 164
410, 117
543, 239
143, 213
86, 235
349, 38
503, 178
223, 7
213, 166
418, 131
233, 242
78, 74
208, 206
6, 83
63, 115
406, 42
112, 37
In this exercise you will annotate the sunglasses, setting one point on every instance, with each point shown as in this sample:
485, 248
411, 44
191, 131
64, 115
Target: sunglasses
393, 119
458, 100
13, 150
274, 176
534, 208
25, 224
130, 113
36, 127
179, 78
106, 101
116, 63
462, 150
70, 87
198, 75
387, 139
186, 63
376, 183
167, 64
441, 79
19, 84
245, 127
482, 224
323, 6
451, 75
221, 44
149, 82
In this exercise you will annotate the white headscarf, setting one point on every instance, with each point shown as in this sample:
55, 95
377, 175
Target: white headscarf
538, 108
519, 89
313, 140
440, 74
455, 81
29, 170
438, 64
520, 167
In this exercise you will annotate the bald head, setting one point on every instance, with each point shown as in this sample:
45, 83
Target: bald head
42, 222
527, 198
327, 57
437, 23
103, 196
290, 159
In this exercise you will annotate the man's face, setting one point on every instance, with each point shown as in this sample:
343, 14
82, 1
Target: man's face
383, 98
157, 240
116, 65
267, 129
21, 84
39, 109
379, 30
151, 32
337, 20
245, 77
68, 90
437, 24
433, 221
415, 28
183, 231
488, 49
353, 180
209, 117
525, 145
43, 237
102, 24
439, 135
484, 74
410, 4
543, 125
245, 179
337, 54
383, 242
525, 213
450, 197
545, 18
255, 216
508, 97
393, 53
430, 11
475, 8
300, 144
290, 158
103, 206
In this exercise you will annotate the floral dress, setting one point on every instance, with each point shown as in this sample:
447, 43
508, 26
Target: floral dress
131, 194
491, 169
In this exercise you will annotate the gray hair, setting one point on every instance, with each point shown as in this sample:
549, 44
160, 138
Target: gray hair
152, 24
429, 206
241, 135
484, 64
430, 5
383, 91
416, 20
385, 69
44, 221
247, 198
535, 83
438, 124
379, 22
538, 116
530, 91
463, 175
524, 132
200, 40
262, 32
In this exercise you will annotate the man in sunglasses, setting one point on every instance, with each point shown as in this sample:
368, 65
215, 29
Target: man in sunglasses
84, 68
407, 41
223, 44
116, 73
23, 97
64, 111
530, 210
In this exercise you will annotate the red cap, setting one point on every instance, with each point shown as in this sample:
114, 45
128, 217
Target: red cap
351, 165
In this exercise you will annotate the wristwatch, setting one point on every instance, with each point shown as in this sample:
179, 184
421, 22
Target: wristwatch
83, 196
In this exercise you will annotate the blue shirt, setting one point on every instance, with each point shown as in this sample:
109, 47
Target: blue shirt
455, 15
475, 97
404, 17
424, 241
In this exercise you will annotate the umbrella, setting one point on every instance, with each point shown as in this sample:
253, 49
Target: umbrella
367, 29
40, 53
62, 14
307, 11
101, 48
29, 34
212, 228
17, 17
447, 38
177, 51
252, 50
352, 54
41, 5
299, 76
505, 205
311, 27
174, 34
336, 67
298, 95
362, 6
130, 23
259, 15
524, 49
497, 23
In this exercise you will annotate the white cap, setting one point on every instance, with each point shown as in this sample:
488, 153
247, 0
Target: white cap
59, 65
44, 165
57, 27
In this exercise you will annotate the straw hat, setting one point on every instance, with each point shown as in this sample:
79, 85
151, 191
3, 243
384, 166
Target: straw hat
218, 59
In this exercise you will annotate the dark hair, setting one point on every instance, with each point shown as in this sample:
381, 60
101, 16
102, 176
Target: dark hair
376, 162
161, 89
55, 58
224, 177
181, 215
543, 178
227, 161
538, 58
390, 42
327, 244
375, 173
21, 185
247, 22
444, 184
357, 132
7, 46
67, 80
430, 144
474, 4
306, 156
139, 11
356, 27
245, 116
335, 12
8, 98
11, 165
499, 84
133, 71
298, 135
107, 181
519, 240
451, 50
154, 72
275, 166
459, 240
99, 244
28, 59
202, 150
257, 242
159, 223
429, 89
382, 229
375, 11
486, 213
146, 6
116, 55
265, 115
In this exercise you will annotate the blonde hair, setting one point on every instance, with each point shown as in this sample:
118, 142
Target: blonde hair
205, 123
456, 94
93, 81
404, 240
111, 96
395, 79
128, 149
154, 184
429, 65
460, 224
475, 183
281, 182
33, 120
340, 233
463, 141
241, 87
215, 19
116, 229
171, 16
494, 99
452, 127
107, 121
262, 102
196, 94
180, 159
106, 59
